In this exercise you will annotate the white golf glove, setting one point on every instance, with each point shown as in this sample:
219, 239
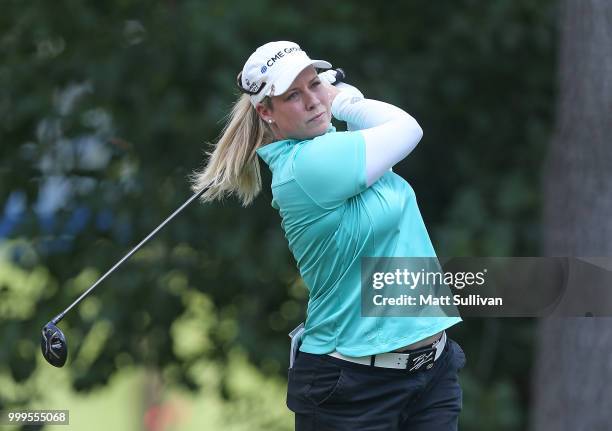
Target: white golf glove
348, 93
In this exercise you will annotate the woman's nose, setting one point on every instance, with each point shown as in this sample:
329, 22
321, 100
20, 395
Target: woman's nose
311, 100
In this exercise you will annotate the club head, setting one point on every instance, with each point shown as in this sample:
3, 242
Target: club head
53, 345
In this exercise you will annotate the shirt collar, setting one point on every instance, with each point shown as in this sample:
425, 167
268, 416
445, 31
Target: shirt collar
271, 152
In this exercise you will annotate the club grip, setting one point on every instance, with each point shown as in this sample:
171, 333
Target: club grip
340, 76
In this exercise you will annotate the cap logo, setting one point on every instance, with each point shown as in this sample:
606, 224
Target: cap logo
281, 54
263, 69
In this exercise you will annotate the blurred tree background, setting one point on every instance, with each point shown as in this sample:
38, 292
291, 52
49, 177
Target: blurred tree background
106, 108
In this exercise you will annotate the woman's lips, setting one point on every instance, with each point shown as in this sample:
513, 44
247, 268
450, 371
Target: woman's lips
317, 117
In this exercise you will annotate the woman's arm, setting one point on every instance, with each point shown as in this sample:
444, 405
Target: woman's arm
390, 133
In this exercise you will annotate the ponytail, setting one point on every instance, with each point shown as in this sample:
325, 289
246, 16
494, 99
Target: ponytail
232, 166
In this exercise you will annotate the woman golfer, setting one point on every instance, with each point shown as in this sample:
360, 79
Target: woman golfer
340, 202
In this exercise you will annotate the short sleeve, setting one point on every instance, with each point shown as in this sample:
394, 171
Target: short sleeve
331, 168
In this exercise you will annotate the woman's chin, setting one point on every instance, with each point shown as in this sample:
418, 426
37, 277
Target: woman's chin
311, 132
320, 130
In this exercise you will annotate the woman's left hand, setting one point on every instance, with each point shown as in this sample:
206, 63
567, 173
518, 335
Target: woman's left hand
327, 79
332, 90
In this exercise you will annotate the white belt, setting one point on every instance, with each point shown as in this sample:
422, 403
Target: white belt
398, 360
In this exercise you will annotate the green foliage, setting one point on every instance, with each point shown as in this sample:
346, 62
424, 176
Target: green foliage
113, 102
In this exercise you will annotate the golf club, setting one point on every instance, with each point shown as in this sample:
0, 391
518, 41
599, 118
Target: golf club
53, 341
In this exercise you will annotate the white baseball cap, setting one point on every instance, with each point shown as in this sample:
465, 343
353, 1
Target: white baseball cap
271, 69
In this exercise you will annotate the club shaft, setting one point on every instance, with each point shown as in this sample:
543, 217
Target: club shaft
60, 316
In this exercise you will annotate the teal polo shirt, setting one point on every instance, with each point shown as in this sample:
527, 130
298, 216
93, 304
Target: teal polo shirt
331, 220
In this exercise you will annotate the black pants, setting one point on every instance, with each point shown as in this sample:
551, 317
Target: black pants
327, 393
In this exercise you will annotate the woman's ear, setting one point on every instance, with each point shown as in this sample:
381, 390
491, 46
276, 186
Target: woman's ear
264, 112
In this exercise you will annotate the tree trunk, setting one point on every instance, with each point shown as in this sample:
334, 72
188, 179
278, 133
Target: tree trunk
573, 370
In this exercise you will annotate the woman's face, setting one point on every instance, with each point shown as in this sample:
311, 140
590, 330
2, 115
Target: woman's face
303, 111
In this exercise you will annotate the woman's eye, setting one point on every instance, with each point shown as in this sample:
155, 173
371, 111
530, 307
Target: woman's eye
316, 83
291, 96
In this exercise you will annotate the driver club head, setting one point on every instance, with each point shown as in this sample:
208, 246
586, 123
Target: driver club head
53, 345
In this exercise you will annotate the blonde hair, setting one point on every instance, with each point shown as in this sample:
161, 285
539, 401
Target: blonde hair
232, 166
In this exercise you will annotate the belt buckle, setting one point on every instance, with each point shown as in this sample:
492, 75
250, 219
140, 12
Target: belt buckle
421, 358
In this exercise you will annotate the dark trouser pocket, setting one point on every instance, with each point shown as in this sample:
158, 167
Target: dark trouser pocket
458, 355
312, 381
325, 385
